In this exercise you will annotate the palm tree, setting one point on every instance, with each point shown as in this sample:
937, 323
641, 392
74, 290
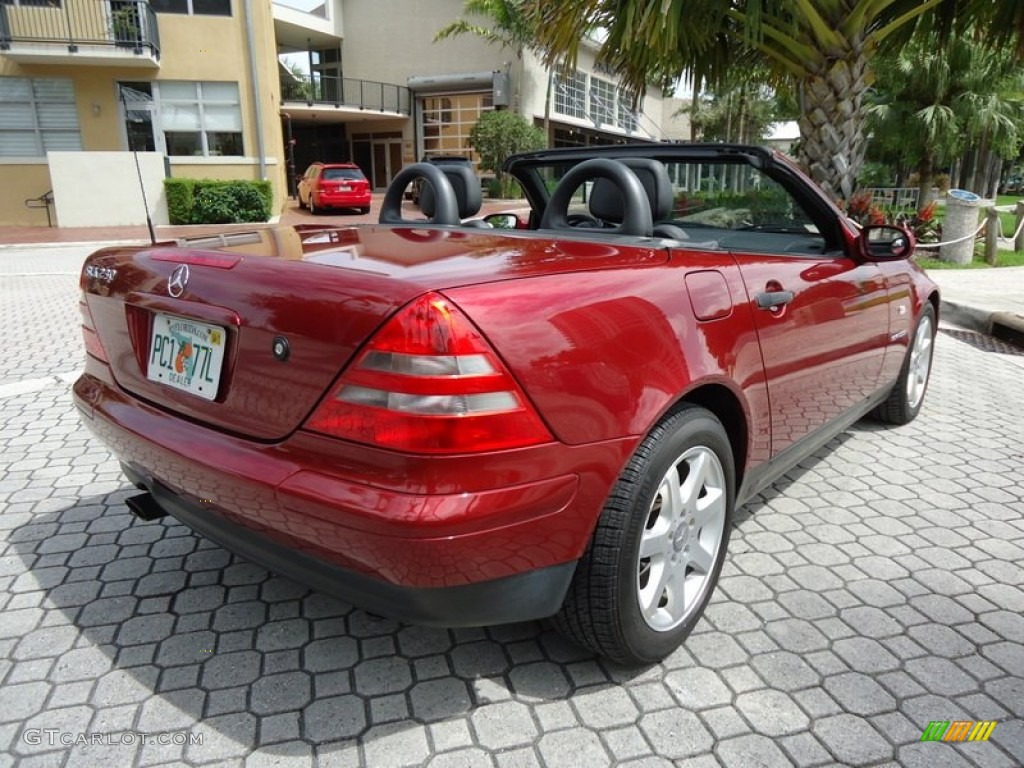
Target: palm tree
824, 47
933, 101
992, 112
509, 27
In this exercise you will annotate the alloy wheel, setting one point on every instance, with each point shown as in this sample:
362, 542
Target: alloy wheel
920, 362
681, 539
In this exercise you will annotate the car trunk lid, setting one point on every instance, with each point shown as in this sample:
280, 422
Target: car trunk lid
288, 308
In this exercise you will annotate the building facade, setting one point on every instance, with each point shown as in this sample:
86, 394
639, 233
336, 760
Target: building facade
259, 89
192, 81
448, 84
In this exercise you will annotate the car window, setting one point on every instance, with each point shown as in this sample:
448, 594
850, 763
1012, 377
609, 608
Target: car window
335, 174
732, 196
736, 205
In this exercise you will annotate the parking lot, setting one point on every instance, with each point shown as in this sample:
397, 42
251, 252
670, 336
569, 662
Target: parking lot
880, 587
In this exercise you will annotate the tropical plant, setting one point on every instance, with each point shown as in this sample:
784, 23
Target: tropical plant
509, 27
497, 135
740, 110
932, 101
825, 47
296, 84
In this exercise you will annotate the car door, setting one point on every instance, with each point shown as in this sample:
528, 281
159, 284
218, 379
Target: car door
821, 313
822, 324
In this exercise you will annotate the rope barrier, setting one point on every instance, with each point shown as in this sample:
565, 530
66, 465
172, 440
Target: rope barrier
1013, 239
975, 233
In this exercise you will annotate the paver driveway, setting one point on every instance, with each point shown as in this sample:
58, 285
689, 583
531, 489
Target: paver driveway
880, 587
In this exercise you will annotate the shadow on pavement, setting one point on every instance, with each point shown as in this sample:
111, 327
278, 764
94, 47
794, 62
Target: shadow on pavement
171, 632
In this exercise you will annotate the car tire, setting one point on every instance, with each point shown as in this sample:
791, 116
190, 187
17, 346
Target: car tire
312, 207
657, 551
905, 399
364, 210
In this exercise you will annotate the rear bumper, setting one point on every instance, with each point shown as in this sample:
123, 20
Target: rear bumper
456, 543
531, 595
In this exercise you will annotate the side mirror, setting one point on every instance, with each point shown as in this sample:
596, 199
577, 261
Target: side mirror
504, 221
886, 242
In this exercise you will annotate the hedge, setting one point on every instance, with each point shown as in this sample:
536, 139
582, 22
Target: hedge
210, 201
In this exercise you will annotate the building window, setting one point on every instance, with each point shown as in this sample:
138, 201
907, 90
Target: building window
202, 119
627, 115
448, 120
602, 102
193, 7
571, 95
38, 115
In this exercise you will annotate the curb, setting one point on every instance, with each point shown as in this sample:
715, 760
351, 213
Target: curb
968, 317
1007, 326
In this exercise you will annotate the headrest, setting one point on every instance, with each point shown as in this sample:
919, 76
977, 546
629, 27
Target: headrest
464, 183
606, 201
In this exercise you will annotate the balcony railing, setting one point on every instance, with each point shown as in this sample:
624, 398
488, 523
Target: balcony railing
346, 92
120, 24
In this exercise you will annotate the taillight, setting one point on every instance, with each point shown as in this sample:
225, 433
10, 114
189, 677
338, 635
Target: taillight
428, 382
89, 336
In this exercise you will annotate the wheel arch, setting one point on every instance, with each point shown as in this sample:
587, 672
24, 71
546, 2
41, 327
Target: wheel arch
729, 409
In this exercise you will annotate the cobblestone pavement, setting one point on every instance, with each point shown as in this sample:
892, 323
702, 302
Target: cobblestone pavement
879, 587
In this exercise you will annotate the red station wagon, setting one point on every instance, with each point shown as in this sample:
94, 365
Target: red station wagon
469, 422
334, 185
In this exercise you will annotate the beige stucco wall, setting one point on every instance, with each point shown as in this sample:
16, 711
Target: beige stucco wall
93, 188
389, 40
192, 48
19, 181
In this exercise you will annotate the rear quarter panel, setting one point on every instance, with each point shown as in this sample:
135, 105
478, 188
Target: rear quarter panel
605, 354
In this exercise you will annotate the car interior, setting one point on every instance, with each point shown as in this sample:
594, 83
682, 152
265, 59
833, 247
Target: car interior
707, 204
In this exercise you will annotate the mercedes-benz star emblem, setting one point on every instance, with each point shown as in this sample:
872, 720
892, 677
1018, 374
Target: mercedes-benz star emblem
177, 281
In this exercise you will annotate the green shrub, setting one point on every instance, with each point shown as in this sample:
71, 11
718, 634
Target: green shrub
506, 188
210, 201
180, 199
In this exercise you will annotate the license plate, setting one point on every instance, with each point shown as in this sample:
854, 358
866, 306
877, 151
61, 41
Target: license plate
186, 354
344, 189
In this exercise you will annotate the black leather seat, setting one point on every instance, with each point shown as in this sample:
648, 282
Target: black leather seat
466, 186
606, 200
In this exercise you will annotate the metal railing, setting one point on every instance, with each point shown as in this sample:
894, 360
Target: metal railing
346, 92
128, 24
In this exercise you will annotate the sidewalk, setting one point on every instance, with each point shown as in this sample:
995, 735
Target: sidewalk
986, 300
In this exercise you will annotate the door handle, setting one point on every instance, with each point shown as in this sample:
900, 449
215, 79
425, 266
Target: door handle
773, 300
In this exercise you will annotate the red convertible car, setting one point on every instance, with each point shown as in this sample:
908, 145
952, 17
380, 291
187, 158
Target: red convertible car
467, 422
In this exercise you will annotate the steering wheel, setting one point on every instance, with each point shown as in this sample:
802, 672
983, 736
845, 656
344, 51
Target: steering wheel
636, 211
446, 206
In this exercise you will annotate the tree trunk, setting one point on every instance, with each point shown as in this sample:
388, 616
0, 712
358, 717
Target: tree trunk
980, 165
832, 122
925, 172
967, 172
995, 167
